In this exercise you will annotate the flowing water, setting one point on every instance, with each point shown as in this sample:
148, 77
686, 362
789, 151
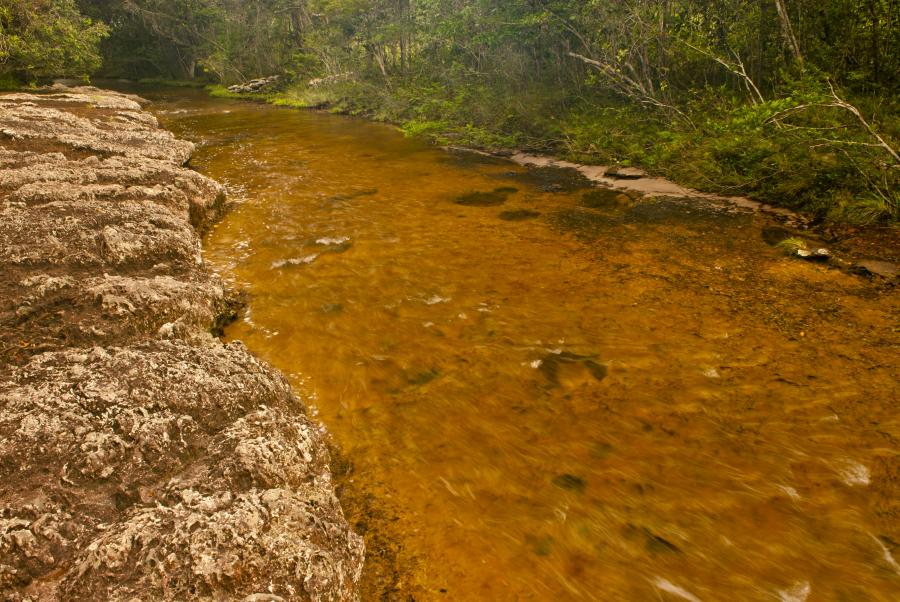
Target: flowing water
543, 392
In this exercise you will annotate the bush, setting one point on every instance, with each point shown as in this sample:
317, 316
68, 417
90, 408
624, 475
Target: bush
45, 38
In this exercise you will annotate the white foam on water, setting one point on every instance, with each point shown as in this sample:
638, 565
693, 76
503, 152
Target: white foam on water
333, 241
799, 592
669, 587
711, 373
435, 299
296, 261
791, 492
854, 474
886, 555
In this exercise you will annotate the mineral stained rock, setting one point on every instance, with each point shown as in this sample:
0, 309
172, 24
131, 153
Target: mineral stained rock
140, 458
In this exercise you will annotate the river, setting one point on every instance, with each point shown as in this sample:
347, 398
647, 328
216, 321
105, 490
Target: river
541, 391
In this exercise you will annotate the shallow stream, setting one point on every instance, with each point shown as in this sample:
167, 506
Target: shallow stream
543, 391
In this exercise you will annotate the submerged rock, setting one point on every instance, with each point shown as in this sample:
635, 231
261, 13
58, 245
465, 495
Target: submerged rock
775, 235
553, 179
519, 215
688, 211
584, 223
607, 198
349, 196
486, 199
140, 458
874, 267
570, 482
571, 369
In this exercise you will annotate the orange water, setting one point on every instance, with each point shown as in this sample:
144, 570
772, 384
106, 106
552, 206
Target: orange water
641, 401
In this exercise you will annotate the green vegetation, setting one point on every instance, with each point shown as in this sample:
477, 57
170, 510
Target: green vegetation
46, 38
794, 102
790, 246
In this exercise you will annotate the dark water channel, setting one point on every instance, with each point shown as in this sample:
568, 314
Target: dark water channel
543, 392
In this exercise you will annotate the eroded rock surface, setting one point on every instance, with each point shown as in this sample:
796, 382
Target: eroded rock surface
140, 458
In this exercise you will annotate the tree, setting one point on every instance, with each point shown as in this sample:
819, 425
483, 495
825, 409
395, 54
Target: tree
41, 38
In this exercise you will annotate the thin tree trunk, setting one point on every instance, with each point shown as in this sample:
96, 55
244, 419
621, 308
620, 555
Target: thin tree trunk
787, 30
876, 52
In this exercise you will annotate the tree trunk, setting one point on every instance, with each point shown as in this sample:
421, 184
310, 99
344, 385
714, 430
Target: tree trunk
875, 39
787, 30
403, 8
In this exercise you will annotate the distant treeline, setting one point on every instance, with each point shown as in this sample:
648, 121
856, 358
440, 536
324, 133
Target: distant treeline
652, 50
778, 85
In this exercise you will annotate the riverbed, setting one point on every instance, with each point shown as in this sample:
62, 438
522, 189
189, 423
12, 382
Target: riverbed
541, 390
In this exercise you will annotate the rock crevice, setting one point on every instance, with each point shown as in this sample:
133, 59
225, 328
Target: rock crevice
140, 458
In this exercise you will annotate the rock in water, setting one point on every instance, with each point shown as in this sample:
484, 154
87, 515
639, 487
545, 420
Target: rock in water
255, 86
571, 369
872, 267
773, 235
606, 198
821, 255
519, 215
140, 458
486, 199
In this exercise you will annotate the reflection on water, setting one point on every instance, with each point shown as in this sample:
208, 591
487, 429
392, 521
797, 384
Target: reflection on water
543, 392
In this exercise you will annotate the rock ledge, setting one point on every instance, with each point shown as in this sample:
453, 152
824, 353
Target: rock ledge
140, 458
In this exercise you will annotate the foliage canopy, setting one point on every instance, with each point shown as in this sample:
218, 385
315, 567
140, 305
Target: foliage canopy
46, 38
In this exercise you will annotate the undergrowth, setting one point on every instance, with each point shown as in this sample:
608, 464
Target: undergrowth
819, 159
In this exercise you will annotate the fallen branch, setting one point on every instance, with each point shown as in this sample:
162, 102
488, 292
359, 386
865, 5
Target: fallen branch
843, 104
737, 69
630, 87
839, 103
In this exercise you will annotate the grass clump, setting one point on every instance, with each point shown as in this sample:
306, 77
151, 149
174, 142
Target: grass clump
790, 246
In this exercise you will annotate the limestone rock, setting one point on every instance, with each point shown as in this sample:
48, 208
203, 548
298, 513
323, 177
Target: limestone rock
140, 458
34, 179
34, 118
255, 86
125, 235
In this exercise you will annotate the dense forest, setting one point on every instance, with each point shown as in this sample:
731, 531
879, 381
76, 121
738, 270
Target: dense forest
790, 101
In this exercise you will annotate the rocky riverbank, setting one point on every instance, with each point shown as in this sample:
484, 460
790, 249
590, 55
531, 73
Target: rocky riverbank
140, 458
